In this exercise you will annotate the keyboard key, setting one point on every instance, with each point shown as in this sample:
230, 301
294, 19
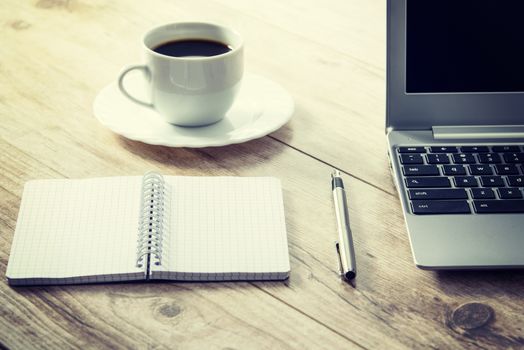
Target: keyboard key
437, 158
440, 207
492, 181
411, 159
411, 150
474, 149
466, 181
420, 170
489, 158
516, 181
425, 182
449, 193
454, 170
506, 169
505, 148
510, 193
482, 193
514, 157
480, 170
499, 206
461, 158
443, 149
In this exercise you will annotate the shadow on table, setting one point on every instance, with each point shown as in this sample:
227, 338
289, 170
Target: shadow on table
153, 286
233, 157
482, 282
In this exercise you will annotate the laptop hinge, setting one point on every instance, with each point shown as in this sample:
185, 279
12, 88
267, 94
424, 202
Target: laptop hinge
478, 132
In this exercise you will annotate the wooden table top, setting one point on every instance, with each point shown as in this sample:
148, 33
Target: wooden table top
57, 54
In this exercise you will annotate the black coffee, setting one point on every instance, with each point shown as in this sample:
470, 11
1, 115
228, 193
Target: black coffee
192, 47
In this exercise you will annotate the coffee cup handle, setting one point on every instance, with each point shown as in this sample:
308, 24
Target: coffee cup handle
122, 88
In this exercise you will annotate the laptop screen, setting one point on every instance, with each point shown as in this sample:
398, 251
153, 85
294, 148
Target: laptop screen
464, 46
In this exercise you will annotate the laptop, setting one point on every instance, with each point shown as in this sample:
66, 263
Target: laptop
455, 129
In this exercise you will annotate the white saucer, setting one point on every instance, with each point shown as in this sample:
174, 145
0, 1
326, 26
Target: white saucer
261, 107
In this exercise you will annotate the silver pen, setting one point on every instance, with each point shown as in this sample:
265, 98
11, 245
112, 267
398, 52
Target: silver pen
344, 246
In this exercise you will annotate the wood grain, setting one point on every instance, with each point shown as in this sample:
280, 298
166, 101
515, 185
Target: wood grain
57, 54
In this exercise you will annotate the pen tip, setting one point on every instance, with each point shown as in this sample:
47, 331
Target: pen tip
350, 275
351, 281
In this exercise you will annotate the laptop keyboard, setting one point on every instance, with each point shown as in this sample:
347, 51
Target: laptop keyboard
463, 179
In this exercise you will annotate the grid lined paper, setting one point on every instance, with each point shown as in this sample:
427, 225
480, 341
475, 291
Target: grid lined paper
76, 231
225, 228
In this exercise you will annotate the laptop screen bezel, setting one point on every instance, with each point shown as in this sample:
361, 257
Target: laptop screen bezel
422, 111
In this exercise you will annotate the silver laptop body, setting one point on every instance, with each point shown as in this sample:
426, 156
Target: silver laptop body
455, 83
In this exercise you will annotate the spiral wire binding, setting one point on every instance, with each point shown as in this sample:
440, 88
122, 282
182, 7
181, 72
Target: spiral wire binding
152, 220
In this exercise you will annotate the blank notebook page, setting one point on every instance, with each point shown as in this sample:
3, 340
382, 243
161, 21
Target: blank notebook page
77, 231
225, 228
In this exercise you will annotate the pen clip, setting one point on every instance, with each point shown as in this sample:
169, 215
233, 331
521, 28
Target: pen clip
341, 269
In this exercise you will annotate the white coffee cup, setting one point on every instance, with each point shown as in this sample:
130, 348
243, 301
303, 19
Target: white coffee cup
190, 90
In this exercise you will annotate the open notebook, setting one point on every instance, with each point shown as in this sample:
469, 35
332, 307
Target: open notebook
148, 228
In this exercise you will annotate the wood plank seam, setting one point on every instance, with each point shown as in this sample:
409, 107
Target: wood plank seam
333, 166
308, 316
